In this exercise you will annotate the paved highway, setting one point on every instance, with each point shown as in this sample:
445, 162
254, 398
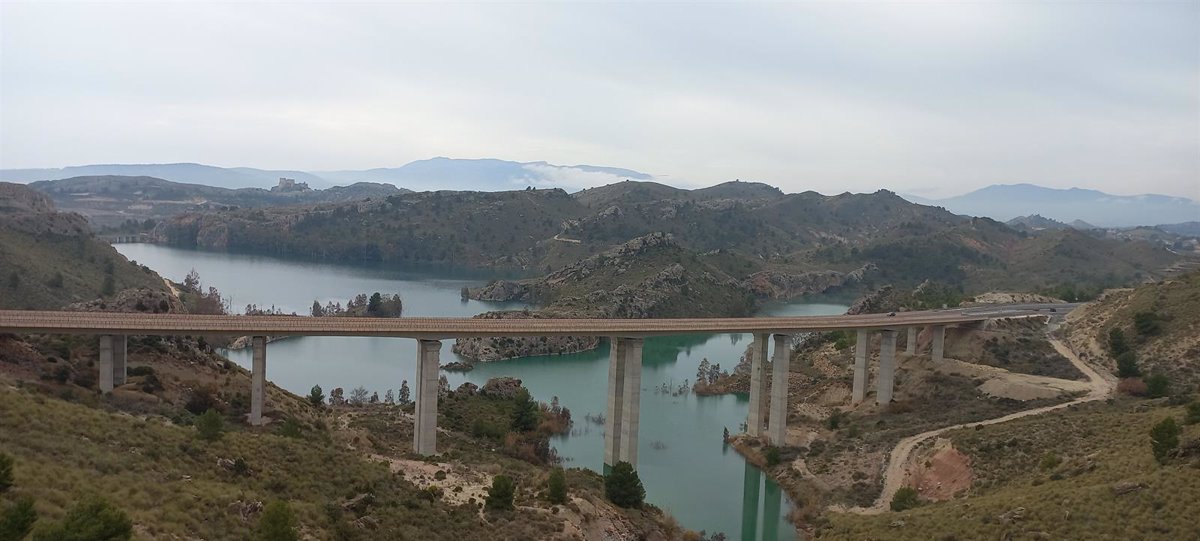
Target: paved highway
53, 322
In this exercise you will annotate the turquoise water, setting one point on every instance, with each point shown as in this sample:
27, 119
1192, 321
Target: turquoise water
683, 462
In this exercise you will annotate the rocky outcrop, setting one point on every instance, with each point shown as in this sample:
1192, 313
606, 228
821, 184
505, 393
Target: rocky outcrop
501, 387
776, 285
497, 348
133, 300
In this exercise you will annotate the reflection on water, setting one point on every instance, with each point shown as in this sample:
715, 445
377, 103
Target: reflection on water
684, 464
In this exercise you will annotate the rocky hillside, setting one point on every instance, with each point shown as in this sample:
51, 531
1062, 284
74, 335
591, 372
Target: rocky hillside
647, 277
49, 259
1159, 323
751, 227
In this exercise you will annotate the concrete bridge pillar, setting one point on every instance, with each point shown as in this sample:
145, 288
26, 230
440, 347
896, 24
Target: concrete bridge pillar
120, 350
939, 343
887, 367
631, 412
910, 345
622, 415
758, 386
862, 352
106, 363
777, 423
429, 353
258, 379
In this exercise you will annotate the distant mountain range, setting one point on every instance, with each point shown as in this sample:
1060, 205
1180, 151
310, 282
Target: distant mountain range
421, 175
1005, 202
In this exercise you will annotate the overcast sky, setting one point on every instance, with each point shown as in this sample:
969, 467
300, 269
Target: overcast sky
931, 98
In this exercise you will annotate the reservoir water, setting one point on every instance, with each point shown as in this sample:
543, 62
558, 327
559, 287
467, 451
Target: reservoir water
685, 466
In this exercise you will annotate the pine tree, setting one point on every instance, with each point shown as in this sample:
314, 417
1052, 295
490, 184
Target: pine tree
1164, 438
623, 487
500, 496
557, 490
405, 396
316, 396
525, 418
91, 519
389, 397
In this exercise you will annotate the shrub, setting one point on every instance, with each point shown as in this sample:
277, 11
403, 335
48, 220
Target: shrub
557, 492
316, 396
6, 472
1050, 460
1193, 413
290, 428
91, 519
905, 498
16, 520
1116, 342
1158, 386
209, 425
500, 496
623, 487
1132, 386
525, 418
1127, 365
771, 454
1146, 324
200, 400
1164, 438
277, 523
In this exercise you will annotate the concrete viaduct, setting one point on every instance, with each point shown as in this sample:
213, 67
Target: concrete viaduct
767, 417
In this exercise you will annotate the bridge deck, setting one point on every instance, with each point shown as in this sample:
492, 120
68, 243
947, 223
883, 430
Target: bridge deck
50, 322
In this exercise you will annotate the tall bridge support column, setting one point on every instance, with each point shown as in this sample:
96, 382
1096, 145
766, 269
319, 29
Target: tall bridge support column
258, 379
106, 363
758, 386
887, 367
631, 412
939, 343
862, 352
910, 344
120, 350
777, 424
429, 353
622, 415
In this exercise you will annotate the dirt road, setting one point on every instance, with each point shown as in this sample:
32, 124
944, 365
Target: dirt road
1100, 387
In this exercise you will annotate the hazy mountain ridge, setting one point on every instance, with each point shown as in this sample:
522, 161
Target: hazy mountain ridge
440, 173
111, 200
1007, 201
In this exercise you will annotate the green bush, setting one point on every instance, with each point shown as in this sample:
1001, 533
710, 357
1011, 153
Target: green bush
1050, 460
1193, 413
623, 487
210, 425
1127, 365
91, 519
771, 454
1116, 342
6, 472
290, 428
1158, 386
557, 492
17, 519
500, 496
1146, 324
905, 498
1164, 438
277, 523
316, 396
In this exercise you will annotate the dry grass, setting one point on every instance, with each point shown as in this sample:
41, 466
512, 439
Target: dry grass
1095, 448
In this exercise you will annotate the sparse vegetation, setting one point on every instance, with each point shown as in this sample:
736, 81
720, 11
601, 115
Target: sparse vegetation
6, 472
91, 519
209, 425
17, 519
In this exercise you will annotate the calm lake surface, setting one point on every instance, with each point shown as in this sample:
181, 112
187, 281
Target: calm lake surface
685, 466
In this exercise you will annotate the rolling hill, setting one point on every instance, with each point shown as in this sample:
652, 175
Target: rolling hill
1007, 201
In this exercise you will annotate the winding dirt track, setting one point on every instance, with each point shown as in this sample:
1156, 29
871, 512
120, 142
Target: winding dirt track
1100, 385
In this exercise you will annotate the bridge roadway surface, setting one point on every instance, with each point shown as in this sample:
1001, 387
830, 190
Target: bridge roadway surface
428, 328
